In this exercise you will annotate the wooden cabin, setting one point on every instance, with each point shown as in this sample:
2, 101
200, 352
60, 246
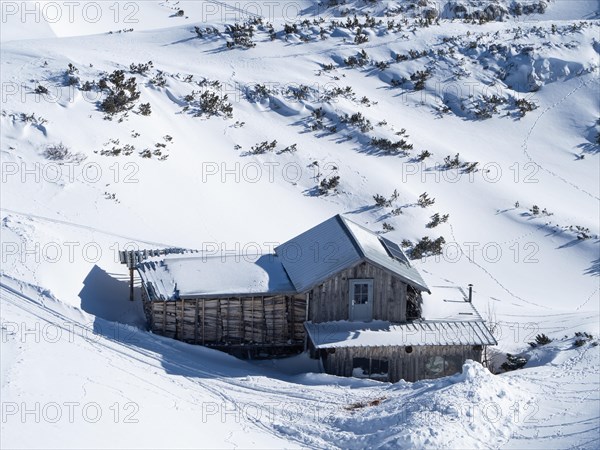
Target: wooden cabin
347, 294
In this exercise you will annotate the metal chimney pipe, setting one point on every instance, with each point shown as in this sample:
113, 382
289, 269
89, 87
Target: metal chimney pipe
470, 293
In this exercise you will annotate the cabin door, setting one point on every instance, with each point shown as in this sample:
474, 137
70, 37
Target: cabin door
361, 300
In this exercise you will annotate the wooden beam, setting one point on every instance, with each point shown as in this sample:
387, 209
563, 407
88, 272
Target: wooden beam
196, 322
292, 301
264, 320
164, 327
131, 284
242, 324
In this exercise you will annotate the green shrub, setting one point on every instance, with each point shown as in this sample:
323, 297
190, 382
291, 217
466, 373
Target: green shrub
424, 200
427, 247
328, 184
263, 147
141, 68
122, 93
436, 219
145, 109
41, 89
540, 339
513, 363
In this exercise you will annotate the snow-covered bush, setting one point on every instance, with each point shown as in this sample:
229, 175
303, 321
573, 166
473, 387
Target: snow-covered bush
41, 89
241, 35
360, 37
525, 106
427, 247
208, 104
122, 93
359, 60
289, 149
357, 120
436, 220
419, 77
158, 80
582, 338
513, 362
388, 146
452, 162
424, 155
145, 109
388, 227
328, 184
383, 202
424, 200
61, 153
263, 147
141, 68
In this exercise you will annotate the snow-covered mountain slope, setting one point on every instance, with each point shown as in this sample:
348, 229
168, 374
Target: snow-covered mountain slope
361, 99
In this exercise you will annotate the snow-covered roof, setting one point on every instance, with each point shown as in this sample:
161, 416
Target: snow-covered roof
200, 276
297, 266
380, 333
336, 244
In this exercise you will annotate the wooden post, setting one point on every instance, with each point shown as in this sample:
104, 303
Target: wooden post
196, 322
242, 324
264, 321
219, 320
131, 283
292, 302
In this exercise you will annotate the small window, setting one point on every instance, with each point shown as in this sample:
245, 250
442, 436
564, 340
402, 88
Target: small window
379, 367
439, 366
361, 293
360, 367
370, 368
434, 366
453, 364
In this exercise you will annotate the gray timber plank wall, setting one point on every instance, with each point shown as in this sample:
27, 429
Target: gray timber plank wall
330, 301
402, 365
235, 320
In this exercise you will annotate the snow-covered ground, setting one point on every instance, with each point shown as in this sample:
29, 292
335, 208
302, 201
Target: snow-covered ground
73, 345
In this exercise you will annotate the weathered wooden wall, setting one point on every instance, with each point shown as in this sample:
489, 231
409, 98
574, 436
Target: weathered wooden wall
230, 321
402, 365
331, 301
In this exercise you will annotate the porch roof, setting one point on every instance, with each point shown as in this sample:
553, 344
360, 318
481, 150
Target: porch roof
385, 334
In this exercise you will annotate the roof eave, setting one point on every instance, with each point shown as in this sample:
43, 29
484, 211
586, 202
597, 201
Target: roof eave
236, 295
